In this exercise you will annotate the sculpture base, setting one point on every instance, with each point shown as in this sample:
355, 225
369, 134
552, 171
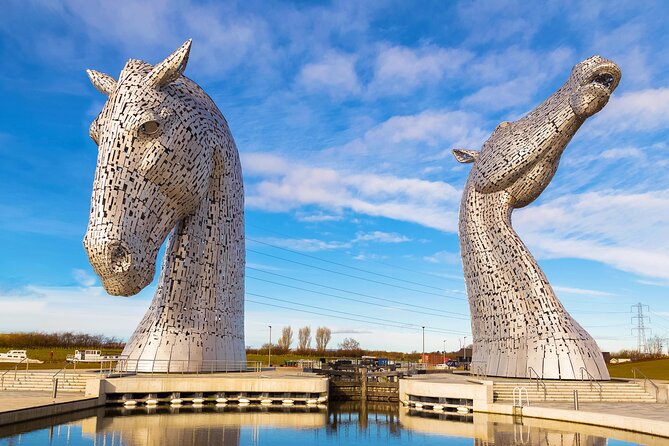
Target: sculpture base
568, 359
188, 352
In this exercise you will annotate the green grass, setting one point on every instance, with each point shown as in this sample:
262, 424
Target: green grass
59, 356
654, 369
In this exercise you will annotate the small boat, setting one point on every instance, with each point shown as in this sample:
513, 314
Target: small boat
91, 356
17, 356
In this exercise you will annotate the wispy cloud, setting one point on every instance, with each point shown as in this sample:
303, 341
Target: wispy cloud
286, 186
313, 245
400, 69
634, 111
88, 308
381, 237
588, 226
448, 257
334, 73
581, 291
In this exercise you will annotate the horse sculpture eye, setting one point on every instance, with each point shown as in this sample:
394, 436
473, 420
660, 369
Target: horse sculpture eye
149, 128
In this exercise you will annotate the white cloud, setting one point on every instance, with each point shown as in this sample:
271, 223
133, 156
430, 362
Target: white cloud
381, 237
317, 217
399, 69
514, 76
83, 277
313, 245
306, 244
581, 291
424, 137
621, 152
629, 231
634, 111
444, 257
334, 73
286, 186
84, 308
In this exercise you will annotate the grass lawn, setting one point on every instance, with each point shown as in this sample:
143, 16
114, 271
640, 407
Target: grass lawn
655, 369
59, 355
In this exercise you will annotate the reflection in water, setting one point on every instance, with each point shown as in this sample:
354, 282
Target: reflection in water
345, 423
188, 426
498, 430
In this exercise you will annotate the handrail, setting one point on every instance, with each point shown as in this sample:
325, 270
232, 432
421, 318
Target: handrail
15, 368
647, 379
520, 396
592, 380
539, 381
54, 380
62, 370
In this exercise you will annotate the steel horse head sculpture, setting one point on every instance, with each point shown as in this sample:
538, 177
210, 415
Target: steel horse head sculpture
519, 326
167, 163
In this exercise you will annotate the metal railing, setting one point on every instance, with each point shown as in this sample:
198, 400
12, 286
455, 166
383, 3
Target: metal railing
540, 382
14, 369
647, 380
126, 366
54, 377
593, 381
519, 392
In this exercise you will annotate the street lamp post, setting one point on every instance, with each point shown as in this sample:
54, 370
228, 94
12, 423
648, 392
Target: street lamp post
269, 348
444, 351
464, 344
423, 357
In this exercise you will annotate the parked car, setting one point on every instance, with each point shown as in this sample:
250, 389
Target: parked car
453, 364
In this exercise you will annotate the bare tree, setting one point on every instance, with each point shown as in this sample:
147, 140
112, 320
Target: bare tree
286, 339
349, 344
304, 338
323, 336
655, 345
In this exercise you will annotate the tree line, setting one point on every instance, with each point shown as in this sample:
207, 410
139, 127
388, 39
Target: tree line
66, 339
306, 343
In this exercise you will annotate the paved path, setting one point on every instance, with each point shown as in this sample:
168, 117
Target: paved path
649, 411
14, 400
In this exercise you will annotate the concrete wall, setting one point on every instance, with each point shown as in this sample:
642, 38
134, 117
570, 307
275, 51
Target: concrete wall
211, 383
481, 394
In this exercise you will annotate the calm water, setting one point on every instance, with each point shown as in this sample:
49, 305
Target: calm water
341, 424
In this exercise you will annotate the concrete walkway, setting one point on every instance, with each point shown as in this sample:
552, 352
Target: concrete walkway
11, 400
17, 406
647, 411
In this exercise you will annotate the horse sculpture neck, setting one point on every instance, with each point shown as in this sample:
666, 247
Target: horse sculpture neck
516, 317
519, 327
198, 308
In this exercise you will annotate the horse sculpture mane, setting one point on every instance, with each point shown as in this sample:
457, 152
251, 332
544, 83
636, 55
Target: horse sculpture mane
519, 326
167, 162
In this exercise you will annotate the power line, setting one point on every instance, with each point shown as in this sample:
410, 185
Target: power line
353, 276
412, 305
355, 300
344, 265
383, 321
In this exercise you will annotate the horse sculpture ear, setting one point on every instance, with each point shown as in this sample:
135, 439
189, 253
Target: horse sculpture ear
465, 156
171, 68
104, 83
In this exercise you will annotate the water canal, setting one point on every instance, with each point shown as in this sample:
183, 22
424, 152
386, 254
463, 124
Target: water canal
340, 424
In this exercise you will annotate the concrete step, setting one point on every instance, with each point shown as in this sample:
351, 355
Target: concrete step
564, 391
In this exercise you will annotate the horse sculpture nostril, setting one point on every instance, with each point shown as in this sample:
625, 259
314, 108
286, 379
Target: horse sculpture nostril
604, 79
119, 257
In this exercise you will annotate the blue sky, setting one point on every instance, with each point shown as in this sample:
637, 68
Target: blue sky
344, 114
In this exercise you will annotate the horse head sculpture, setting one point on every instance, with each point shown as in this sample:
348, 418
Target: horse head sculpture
167, 162
518, 324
